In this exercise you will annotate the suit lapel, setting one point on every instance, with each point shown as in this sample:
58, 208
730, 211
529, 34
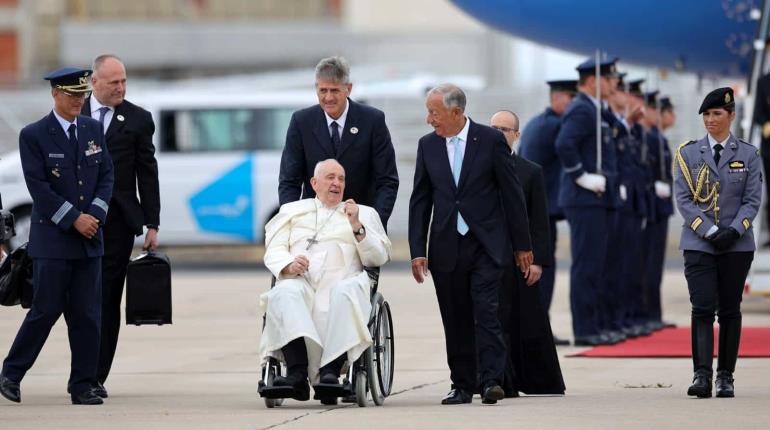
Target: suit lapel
440, 154
706, 155
116, 124
350, 122
471, 147
321, 131
83, 137
59, 136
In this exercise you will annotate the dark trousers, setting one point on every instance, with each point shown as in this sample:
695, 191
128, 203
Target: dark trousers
69, 287
655, 237
468, 301
589, 236
715, 283
118, 243
611, 292
548, 278
633, 239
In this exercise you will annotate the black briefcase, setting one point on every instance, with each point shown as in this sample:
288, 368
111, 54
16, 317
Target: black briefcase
16, 279
148, 289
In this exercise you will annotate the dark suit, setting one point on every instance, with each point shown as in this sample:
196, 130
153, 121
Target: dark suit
467, 269
366, 154
129, 139
533, 365
538, 144
762, 117
64, 180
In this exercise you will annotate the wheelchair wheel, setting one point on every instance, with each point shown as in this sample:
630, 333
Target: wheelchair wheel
382, 355
361, 386
273, 369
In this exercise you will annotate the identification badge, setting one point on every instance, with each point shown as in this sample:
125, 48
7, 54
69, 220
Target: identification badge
55, 155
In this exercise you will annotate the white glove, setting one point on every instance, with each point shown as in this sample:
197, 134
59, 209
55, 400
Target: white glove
662, 189
592, 182
623, 193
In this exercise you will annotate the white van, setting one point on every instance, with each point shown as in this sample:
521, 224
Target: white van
218, 159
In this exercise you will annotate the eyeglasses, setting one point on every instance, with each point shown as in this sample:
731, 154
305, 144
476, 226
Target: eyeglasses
505, 129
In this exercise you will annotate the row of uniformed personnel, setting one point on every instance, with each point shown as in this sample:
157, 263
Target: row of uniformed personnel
614, 288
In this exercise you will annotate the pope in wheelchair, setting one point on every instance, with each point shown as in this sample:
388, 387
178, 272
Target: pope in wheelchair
317, 314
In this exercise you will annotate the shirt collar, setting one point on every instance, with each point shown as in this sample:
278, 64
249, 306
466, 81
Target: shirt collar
592, 98
95, 105
64, 123
713, 141
319, 205
341, 119
463, 134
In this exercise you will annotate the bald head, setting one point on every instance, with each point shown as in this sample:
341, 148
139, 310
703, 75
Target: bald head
328, 182
508, 124
109, 80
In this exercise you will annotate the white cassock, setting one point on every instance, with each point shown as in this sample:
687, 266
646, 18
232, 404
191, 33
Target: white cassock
330, 304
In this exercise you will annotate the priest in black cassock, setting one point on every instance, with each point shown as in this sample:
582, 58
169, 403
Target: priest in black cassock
532, 365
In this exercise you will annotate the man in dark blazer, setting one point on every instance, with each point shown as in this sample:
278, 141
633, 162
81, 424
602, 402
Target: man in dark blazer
352, 133
465, 180
128, 134
532, 366
69, 175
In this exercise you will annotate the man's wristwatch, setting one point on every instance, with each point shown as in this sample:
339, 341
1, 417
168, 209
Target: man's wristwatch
360, 232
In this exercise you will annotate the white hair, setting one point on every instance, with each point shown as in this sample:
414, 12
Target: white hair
451, 94
335, 69
319, 165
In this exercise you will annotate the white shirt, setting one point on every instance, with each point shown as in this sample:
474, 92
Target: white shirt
593, 99
66, 124
95, 106
462, 139
713, 142
340, 120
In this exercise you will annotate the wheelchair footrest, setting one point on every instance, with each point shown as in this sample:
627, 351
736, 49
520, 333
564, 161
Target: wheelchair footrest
276, 392
326, 391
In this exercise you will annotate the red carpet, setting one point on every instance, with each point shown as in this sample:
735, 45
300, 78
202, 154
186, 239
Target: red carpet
675, 342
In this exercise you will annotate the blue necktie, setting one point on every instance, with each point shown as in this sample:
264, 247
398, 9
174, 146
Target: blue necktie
73, 138
102, 112
336, 141
462, 227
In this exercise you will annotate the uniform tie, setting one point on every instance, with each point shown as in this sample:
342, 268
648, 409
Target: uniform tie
73, 138
102, 112
336, 141
717, 153
462, 227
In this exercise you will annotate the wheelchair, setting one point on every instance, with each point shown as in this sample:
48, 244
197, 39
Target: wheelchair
371, 375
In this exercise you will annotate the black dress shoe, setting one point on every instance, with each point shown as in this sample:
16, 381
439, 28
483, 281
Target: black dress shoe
298, 383
10, 390
491, 394
724, 384
560, 342
100, 391
592, 340
457, 396
86, 398
701, 385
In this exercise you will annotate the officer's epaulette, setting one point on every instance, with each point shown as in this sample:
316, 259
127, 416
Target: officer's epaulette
685, 144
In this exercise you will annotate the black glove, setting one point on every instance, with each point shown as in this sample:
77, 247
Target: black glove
724, 238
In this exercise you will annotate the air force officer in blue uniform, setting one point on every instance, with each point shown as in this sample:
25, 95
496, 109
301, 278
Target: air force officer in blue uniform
69, 175
588, 193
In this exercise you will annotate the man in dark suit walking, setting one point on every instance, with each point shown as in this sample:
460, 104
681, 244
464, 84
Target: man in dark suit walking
352, 133
128, 131
533, 365
69, 175
465, 179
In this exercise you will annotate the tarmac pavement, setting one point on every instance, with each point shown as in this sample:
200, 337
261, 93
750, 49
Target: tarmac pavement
202, 371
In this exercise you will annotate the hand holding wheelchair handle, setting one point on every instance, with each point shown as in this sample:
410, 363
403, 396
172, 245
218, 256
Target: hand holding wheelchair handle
296, 268
420, 269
